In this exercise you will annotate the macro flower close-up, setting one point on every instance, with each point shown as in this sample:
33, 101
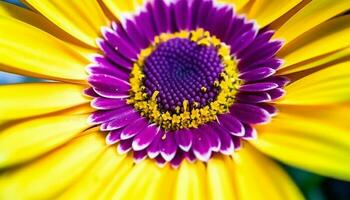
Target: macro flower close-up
172, 99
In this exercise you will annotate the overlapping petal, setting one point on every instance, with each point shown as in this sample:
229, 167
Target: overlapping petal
266, 11
26, 140
83, 21
312, 138
32, 99
30, 51
327, 86
328, 37
49, 176
313, 14
255, 172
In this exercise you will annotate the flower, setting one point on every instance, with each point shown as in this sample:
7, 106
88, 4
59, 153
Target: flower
172, 99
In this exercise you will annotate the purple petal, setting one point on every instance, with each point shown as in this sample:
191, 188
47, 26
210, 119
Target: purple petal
121, 45
272, 63
201, 146
153, 149
103, 81
145, 137
160, 161
237, 142
281, 81
139, 156
177, 159
257, 74
244, 40
272, 110
190, 156
90, 92
227, 146
250, 114
161, 16
122, 120
124, 146
115, 56
115, 72
258, 87
136, 35
134, 128
203, 11
99, 117
113, 137
194, 8
111, 93
184, 139
232, 124
107, 104
250, 132
213, 138
144, 21
168, 147
276, 93
249, 97
181, 14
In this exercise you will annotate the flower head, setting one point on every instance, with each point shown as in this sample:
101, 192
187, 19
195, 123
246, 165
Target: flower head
198, 87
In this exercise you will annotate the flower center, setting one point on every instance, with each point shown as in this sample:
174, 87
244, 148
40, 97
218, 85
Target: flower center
184, 80
182, 70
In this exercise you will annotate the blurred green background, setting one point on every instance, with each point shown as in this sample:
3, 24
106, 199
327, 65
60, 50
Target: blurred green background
313, 186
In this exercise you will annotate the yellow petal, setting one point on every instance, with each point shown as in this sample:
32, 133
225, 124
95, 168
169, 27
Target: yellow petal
120, 7
327, 86
191, 183
108, 190
261, 178
220, 179
51, 175
308, 143
29, 139
37, 20
238, 4
96, 178
266, 11
82, 20
311, 15
142, 182
27, 50
328, 37
327, 59
31, 99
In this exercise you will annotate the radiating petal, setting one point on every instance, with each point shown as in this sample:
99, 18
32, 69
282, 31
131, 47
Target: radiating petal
336, 57
83, 21
255, 172
326, 38
52, 174
140, 185
31, 99
309, 141
29, 139
190, 182
266, 11
310, 16
119, 7
329, 85
96, 178
29, 51
221, 183
39, 21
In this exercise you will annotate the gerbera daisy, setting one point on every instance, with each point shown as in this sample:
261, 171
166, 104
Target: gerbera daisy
173, 99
